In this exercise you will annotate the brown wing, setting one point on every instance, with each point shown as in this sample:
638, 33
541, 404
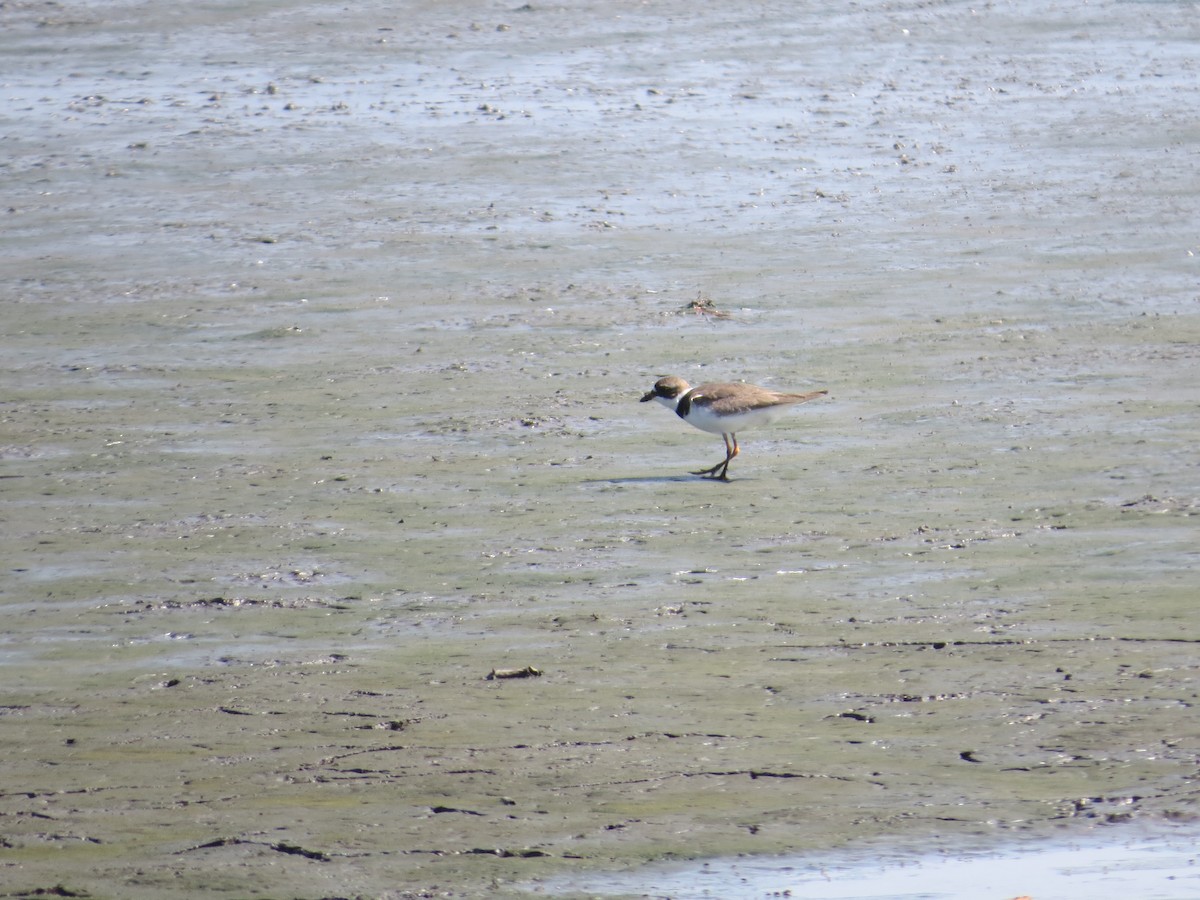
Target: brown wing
727, 398
803, 398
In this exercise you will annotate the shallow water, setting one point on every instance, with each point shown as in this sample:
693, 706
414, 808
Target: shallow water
323, 335
1160, 867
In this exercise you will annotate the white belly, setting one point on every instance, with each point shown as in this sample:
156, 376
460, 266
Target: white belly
703, 418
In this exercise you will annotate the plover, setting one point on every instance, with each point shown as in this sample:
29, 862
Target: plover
724, 408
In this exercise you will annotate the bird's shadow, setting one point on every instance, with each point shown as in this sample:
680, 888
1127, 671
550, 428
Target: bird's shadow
655, 479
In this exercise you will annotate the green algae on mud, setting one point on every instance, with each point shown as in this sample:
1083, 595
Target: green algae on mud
273, 511
870, 642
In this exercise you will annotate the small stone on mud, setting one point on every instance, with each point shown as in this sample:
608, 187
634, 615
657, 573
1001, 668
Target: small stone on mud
523, 672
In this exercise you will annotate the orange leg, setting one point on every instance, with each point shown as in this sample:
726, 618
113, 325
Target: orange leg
731, 450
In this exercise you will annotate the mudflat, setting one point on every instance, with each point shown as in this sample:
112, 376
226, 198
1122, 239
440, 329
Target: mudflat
323, 333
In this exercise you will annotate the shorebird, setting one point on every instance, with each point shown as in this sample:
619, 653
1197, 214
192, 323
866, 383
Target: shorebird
723, 408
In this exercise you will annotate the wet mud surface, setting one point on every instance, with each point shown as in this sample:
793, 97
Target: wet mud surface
324, 331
